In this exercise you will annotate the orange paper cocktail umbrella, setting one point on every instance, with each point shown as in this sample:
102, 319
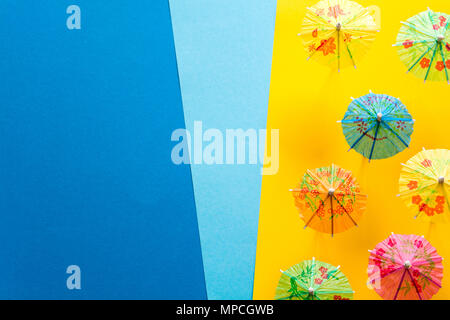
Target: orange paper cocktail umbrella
329, 199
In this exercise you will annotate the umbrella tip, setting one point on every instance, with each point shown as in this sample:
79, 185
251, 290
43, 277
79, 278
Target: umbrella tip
379, 116
338, 267
370, 251
392, 233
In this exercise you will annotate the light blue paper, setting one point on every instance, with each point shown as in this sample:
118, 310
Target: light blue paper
224, 54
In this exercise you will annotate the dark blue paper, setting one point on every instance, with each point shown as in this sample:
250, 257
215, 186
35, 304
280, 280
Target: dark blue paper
86, 176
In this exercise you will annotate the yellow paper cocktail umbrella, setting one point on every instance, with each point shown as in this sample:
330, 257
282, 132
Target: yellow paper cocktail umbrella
425, 184
339, 32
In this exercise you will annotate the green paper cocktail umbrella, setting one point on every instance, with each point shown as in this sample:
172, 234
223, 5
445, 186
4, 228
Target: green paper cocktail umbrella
313, 280
424, 45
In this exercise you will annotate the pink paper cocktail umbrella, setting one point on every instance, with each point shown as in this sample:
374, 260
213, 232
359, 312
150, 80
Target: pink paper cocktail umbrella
405, 267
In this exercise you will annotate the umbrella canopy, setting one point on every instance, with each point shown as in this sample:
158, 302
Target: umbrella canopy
424, 45
338, 32
405, 267
425, 184
329, 199
313, 280
377, 126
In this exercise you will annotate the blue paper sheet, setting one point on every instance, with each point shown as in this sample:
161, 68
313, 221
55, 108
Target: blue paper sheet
86, 176
224, 54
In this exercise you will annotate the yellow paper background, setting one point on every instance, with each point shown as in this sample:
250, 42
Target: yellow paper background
306, 100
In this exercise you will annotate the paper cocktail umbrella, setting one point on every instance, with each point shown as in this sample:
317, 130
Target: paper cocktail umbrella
338, 32
425, 184
377, 126
313, 280
405, 267
329, 199
424, 45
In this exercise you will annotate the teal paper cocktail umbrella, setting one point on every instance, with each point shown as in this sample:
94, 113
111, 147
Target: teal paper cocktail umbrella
377, 126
